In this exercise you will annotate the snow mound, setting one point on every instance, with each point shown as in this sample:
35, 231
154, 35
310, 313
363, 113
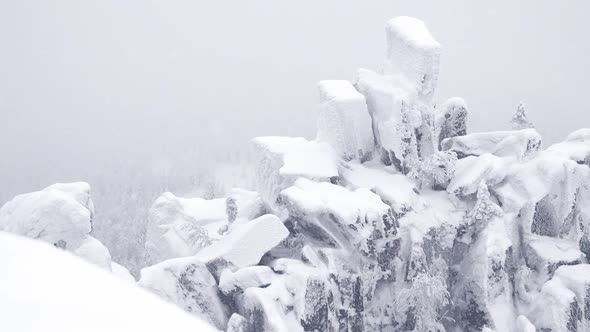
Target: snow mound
247, 243
413, 53
187, 283
280, 160
344, 121
518, 143
72, 295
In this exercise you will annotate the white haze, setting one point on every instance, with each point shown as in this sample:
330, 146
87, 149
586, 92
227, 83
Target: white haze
136, 97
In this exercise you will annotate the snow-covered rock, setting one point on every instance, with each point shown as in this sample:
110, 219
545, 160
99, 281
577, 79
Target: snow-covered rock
412, 53
344, 121
187, 283
246, 244
518, 143
60, 214
180, 227
281, 160
393, 188
545, 254
176, 226
46, 289
564, 301
250, 276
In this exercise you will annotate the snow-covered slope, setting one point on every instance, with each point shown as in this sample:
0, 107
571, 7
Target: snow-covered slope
43, 288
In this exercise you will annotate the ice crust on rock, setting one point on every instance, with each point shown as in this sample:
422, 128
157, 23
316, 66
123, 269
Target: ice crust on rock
343, 120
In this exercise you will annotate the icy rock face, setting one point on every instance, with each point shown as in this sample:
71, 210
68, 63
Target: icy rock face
187, 283
343, 120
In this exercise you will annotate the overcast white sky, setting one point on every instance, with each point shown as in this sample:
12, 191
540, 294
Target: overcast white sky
86, 82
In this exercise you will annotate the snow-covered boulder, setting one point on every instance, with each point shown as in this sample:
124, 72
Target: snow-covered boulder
46, 289
245, 244
518, 143
60, 214
413, 53
338, 217
344, 121
281, 160
187, 283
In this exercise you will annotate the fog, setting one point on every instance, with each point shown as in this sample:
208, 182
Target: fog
100, 90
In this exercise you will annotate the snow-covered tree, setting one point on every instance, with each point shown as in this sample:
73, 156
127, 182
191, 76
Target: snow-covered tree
436, 170
519, 119
451, 120
231, 209
420, 306
409, 146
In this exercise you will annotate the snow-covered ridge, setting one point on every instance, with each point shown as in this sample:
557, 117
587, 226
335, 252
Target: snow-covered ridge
395, 218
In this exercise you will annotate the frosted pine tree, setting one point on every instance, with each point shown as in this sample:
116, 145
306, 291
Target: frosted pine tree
519, 119
420, 307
